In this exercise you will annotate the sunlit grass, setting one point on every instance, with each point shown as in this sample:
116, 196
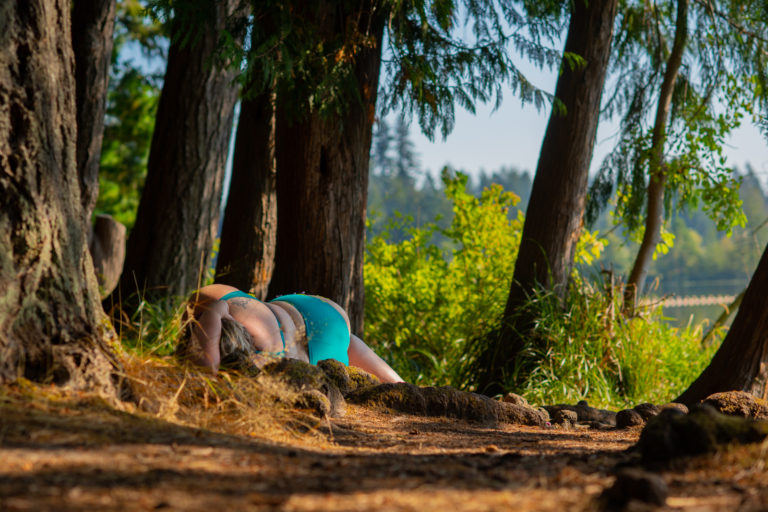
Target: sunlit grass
583, 348
169, 389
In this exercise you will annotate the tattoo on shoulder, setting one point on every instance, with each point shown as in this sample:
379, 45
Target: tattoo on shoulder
241, 303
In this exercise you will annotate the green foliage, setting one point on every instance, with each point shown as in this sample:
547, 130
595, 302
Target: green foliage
155, 327
720, 79
444, 53
422, 305
131, 107
426, 307
425, 303
703, 260
586, 349
130, 117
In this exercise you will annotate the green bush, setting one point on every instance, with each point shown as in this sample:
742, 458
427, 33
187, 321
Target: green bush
427, 306
423, 302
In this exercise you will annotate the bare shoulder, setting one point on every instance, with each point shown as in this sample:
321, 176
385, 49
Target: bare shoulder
207, 298
211, 292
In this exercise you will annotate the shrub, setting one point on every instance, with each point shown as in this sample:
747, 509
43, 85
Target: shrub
427, 306
423, 302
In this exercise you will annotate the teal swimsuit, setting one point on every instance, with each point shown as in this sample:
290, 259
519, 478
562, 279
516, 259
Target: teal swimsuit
327, 331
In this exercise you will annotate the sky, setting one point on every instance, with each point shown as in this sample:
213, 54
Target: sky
512, 135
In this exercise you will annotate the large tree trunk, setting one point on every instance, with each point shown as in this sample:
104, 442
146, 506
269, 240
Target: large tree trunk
322, 182
741, 362
657, 175
93, 23
247, 252
170, 246
51, 323
555, 212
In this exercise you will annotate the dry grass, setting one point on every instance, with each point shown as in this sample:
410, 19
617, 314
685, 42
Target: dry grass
229, 402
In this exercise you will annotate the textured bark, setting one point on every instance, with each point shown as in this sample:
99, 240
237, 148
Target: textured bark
170, 246
322, 181
93, 23
658, 179
741, 362
51, 323
247, 252
555, 212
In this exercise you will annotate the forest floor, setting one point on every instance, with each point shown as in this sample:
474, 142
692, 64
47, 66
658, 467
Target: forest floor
81, 454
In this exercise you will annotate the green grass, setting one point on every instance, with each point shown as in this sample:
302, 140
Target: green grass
585, 349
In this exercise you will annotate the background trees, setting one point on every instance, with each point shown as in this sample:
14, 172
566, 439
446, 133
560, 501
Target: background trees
312, 76
169, 248
698, 67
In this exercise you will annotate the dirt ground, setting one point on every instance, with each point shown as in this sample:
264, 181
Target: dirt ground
86, 456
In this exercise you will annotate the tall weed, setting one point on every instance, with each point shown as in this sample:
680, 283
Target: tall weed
583, 348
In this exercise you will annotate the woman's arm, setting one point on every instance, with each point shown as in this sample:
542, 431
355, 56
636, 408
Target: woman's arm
206, 333
363, 357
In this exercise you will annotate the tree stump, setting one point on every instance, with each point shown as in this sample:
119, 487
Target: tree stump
106, 242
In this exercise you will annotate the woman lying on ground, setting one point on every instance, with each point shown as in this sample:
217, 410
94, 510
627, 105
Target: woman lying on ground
306, 327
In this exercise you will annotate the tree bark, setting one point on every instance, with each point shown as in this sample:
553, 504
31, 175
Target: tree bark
93, 23
52, 327
247, 252
169, 249
741, 362
657, 176
322, 181
554, 217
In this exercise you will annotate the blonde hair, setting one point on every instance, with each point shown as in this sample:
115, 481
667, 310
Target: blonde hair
236, 348
235, 345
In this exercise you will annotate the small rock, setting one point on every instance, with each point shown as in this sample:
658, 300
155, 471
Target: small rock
628, 418
647, 411
675, 405
635, 484
739, 403
585, 412
512, 398
565, 418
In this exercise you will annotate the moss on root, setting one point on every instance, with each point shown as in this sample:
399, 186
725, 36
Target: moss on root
704, 430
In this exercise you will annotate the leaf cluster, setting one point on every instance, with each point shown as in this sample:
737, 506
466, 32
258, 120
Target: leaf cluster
444, 53
720, 79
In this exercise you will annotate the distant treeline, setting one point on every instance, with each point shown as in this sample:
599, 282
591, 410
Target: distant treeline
702, 260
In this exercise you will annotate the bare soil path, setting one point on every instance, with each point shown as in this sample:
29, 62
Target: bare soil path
86, 456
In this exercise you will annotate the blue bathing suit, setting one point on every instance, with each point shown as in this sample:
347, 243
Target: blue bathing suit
327, 331
239, 293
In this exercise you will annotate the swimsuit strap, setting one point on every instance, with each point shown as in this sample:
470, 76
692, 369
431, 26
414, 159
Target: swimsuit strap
239, 293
